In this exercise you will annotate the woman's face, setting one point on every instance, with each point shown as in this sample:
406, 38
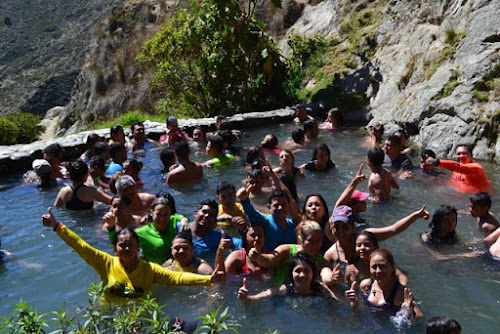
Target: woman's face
302, 276
312, 244
127, 168
343, 231
161, 214
255, 237
364, 247
322, 157
314, 209
119, 136
448, 225
182, 251
127, 246
380, 268
286, 159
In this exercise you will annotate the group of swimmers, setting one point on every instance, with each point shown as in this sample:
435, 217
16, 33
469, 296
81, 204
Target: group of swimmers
299, 251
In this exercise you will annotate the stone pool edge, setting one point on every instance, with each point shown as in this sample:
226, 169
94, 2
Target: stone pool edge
18, 158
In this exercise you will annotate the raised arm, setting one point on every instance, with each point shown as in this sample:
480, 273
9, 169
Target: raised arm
383, 233
270, 260
279, 185
345, 197
252, 214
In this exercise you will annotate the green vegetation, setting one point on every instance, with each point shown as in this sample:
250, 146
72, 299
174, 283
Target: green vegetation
139, 316
213, 59
452, 39
128, 119
323, 63
410, 68
487, 86
450, 86
19, 128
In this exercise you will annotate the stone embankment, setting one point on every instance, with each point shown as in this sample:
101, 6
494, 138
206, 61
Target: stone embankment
18, 158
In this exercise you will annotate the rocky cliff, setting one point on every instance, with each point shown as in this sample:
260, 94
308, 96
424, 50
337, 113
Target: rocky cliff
42, 46
430, 67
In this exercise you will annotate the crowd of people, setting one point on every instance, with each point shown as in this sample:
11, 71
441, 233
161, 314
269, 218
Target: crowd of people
258, 231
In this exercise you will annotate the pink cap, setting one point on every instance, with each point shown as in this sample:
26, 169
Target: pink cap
359, 196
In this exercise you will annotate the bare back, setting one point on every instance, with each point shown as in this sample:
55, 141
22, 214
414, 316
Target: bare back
186, 173
380, 183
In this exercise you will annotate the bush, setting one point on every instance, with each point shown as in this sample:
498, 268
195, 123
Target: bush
19, 128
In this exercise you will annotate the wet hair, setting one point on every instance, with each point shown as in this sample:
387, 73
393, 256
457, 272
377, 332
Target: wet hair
255, 173
257, 164
386, 254
427, 153
298, 135
305, 229
170, 120
320, 147
322, 200
77, 170
171, 200
481, 199
371, 237
184, 236
135, 164
467, 146
182, 149
438, 218
210, 203
376, 156
301, 257
337, 115
100, 148
167, 156
443, 325
310, 124
96, 161
227, 137
123, 180
54, 149
394, 140
277, 194
123, 198
132, 128
122, 232
115, 129
160, 201
253, 154
253, 225
115, 148
225, 185
290, 153
216, 142
269, 141
92, 139
400, 132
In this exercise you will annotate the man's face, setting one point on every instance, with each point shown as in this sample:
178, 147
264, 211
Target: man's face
138, 133
205, 217
463, 155
391, 148
279, 207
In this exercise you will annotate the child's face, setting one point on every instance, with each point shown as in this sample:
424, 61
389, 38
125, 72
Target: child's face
364, 247
227, 198
173, 125
477, 210
302, 276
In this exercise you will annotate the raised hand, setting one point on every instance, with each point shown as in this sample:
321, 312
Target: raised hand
352, 295
185, 225
243, 291
408, 301
218, 275
359, 177
422, 213
337, 276
48, 219
253, 253
224, 243
243, 193
110, 219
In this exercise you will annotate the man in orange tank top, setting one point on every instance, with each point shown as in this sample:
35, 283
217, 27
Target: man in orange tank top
468, 176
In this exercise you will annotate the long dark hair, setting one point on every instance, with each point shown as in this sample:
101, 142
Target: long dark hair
307, 259
438, 218
325, 218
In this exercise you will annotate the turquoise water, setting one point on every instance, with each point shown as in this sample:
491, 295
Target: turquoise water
48, 274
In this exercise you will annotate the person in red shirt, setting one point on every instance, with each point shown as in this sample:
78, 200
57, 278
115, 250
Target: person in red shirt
468, 176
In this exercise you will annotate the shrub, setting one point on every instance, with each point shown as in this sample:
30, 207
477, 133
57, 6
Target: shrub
19, 128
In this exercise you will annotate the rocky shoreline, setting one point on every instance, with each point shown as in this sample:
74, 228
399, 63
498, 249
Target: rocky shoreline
18, 158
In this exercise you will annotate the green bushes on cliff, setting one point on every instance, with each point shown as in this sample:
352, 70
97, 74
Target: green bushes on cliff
214, 58
19, 128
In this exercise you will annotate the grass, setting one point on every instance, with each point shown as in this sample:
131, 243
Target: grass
450, 86
452, 39
487, 86
128, 119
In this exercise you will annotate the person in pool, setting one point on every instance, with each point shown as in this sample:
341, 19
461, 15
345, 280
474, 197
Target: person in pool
468, 176
183, 258
139, 202
287, 165
383, 291
354, 198
442, 228
297, 142
215, 150
311, 130
333, 120
300, 282
381, 180
309, 240
133, 167
119, 216
359, 269
479, 208
342, 223
321, 160
187, 172
79, 196
230, 214
126, 275
174, 134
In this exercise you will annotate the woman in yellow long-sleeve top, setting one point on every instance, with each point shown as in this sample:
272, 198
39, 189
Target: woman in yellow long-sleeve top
126, 275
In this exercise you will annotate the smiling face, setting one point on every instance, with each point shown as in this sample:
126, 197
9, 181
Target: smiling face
198, 136
255, 237
138, 133
161, 216
381, 268
302, 276
315, 209
205, 217
127, 246
182, 251
364, 247
312, 244
279, 208
463, 155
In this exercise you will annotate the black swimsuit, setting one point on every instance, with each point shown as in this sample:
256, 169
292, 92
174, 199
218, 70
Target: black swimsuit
77, 204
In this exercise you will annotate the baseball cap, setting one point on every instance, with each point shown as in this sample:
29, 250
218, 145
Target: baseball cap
358, 196
41, 167
342, 214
